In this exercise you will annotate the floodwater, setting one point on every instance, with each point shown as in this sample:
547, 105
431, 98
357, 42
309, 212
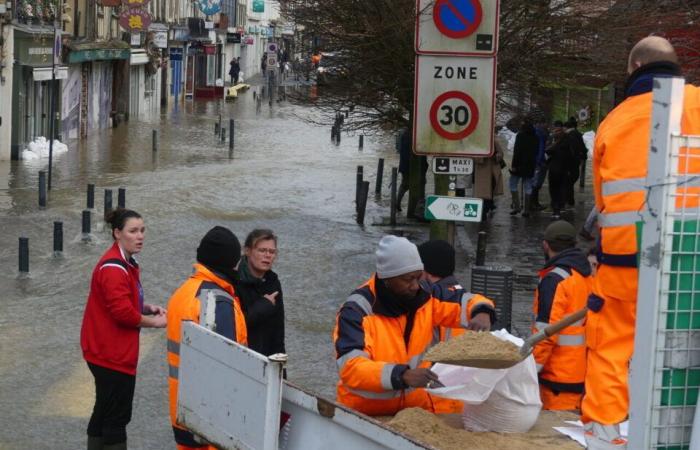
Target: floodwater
285, 174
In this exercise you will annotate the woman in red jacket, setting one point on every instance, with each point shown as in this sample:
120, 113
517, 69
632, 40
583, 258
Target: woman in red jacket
114, 314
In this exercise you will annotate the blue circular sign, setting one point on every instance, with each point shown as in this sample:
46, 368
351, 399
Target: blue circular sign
209, 7
457, 18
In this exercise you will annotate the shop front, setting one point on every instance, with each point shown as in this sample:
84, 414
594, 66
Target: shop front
204, 74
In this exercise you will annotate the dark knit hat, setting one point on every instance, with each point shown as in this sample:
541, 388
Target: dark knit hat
438, 257
219, 249
560, 232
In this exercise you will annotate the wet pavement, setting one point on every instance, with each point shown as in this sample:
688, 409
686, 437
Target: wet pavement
285, 174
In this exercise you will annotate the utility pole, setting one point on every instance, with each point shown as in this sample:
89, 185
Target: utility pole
56, 56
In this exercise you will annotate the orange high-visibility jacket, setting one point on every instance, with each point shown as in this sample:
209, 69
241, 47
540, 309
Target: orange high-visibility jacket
564, 287
203, 295
619, 173
372, 353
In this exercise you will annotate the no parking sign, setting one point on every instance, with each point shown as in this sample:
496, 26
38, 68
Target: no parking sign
454, 105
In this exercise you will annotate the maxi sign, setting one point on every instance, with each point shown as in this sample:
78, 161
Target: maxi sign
455, 81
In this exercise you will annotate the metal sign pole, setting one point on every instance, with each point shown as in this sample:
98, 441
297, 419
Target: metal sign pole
52, 107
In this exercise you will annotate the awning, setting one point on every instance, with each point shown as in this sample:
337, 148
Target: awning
98, 51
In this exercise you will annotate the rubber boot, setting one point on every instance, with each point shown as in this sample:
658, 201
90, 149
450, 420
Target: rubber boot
516, 203
527, 205
604, 437
94, 443
119, 446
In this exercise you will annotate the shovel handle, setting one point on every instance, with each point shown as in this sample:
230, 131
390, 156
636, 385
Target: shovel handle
556, 327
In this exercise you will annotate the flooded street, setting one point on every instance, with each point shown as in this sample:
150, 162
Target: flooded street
285, 175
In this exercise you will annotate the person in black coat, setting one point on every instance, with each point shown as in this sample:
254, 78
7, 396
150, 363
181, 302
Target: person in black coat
559, 157
523, 166
260, 292
578, 157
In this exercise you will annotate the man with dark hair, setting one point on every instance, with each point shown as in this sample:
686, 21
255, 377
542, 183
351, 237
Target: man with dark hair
564, 286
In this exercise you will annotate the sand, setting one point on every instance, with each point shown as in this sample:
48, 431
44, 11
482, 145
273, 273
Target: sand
444, 432
474, 348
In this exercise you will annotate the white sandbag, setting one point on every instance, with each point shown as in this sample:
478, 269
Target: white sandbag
29, 155
502, 400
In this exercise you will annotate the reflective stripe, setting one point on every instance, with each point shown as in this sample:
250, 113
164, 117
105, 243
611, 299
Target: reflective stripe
340, 362
619, 219
209, 319
448, 334
539, 367
173, 347
570, 340
413, 362
561, 272
114, 265
386, 376
361, 302
380, 395
541, 325
173, 371
623, 186
465, 310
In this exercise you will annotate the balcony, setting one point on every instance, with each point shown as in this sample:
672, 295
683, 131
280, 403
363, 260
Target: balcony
36, 12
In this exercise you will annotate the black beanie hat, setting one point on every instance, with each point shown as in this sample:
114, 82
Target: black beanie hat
438, 257
219, 249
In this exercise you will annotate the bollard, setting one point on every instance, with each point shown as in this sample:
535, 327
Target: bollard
155, 140
86, 222
394, 181
24, 254
90, 196
42, 188
347, 113
359, 178
231, 126
57, 238
362, 140
337, 136
481, 249
380, 177
216, 127
364, 192
255, 95
333, 133
219, 122
121, 198
108, 201
223, 135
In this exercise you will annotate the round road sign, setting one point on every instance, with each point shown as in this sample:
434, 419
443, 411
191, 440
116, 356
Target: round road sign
457, 18
454, 115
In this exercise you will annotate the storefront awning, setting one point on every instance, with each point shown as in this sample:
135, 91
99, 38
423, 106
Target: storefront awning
98, 51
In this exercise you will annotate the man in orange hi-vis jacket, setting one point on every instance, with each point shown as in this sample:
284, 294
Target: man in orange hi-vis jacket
619, 170
384, 328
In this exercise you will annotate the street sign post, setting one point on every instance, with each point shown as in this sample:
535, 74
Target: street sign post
454, 105
443, 165
457, 27
459, 209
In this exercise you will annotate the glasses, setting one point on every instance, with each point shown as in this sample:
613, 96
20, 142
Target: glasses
269, 251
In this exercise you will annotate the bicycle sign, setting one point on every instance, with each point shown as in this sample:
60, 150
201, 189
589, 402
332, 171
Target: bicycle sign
454, 105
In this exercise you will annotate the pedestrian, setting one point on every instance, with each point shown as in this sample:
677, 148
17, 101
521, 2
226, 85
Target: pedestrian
263, 64
383, 329
579, 157
488, 176
542, 132
260, 292
563, 289
523, 167
207, 297
620, 159
559, 156
234, 70
109, 337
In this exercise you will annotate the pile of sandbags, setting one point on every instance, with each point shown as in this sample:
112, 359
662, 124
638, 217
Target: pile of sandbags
39, 148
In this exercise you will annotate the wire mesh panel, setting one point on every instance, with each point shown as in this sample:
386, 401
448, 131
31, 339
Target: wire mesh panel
665, 369
496, 283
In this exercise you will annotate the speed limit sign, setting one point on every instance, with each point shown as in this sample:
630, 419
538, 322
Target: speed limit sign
454, 105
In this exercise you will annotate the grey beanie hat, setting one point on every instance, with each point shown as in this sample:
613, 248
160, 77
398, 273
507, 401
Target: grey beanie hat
397, 256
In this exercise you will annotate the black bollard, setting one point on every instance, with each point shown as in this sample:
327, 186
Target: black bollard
231, 126
108, 201
347, 113
24, 254
380, 177
223, 135
481, 249
394, 186
155, 140
86, 222
255, 94
364, 192
90, 196
358, 185
362, 140
42, 188
216, 128
121, 198
57, 237
219, 122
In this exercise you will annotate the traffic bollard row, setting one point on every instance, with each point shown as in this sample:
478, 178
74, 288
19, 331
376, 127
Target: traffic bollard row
57, 238
359, 178
380, 176
364, 192
42, 188
394, 181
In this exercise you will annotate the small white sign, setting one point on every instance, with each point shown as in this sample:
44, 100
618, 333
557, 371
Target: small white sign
458, 209
160, 39
136, 38
446, 165
44, 73
209, 25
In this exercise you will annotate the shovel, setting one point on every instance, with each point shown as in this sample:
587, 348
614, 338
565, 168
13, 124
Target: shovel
527, 347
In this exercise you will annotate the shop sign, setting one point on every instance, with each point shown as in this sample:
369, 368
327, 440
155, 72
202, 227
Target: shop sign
258, 6
135, 3
135, 39
249, 40
233, 38
45, 73
101, 54
134, 19
209, 50
111, 3
160, 39
208, 7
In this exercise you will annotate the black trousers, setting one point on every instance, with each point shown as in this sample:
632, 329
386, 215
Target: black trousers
558, 185
114, 395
